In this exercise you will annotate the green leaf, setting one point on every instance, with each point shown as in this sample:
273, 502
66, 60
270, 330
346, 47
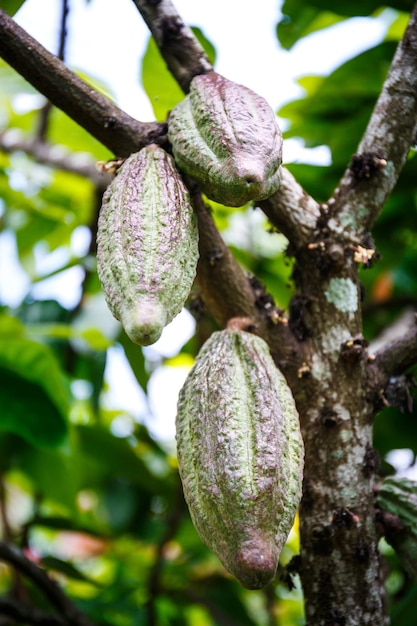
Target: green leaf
336, 109
301, 18
161, 88
33, 395
56, 474
404, 613
11, 6
134, 355
108, 456
291, 28
66, 568
208, 47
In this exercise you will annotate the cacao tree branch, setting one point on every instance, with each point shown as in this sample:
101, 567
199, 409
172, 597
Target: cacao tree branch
182, 52
292, 210
55, 156
382, 152
10, 554
114, 128
227, 291
22, 614
394, 351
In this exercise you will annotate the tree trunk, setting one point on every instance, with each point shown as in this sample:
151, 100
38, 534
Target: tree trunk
340, 567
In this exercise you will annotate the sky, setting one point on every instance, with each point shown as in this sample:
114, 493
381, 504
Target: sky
107, 43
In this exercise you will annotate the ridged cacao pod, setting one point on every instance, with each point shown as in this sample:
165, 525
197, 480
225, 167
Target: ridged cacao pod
399, 497
240, 454
227, 139
147, 244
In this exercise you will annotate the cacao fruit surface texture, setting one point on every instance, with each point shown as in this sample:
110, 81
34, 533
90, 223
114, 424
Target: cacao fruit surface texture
147, 244
240, 454
227, 139
399, 497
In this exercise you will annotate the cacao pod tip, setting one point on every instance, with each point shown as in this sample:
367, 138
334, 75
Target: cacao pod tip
144, 322
255, 566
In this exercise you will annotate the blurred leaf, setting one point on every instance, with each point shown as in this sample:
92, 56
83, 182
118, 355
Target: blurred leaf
10, 326
300, 22
208, 47
64, 523
11, 6
52, 563
395, 430
34, 396
134, 355
301, 18
342, 102
405, 611
108, 456
162, 89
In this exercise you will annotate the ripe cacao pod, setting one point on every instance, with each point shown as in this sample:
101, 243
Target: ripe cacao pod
147, 244
399, 497
240, 454
227, 139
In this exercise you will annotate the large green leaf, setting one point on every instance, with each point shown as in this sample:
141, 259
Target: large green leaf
291, 28
404, 613
161, 88
300, 18
336, 109
134, 355
11, 6
34, 397
106, 456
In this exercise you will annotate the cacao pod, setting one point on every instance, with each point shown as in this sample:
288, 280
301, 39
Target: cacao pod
147, 244
399, 497
240, 454
227, 139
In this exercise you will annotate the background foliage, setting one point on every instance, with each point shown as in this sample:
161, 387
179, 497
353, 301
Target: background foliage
85, 489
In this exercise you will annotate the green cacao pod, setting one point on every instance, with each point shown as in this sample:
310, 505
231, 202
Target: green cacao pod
240, 454
399, 497
227, 139
147, 244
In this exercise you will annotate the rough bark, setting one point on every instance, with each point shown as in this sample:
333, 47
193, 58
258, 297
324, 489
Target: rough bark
337, 384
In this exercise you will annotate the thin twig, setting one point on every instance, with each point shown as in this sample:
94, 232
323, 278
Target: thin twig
396, 349
114, 128
40, 578
292, 210
44, 114
23, 614
386, 142
55, 156
172, 522
228, 291
390, 356
7, 531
